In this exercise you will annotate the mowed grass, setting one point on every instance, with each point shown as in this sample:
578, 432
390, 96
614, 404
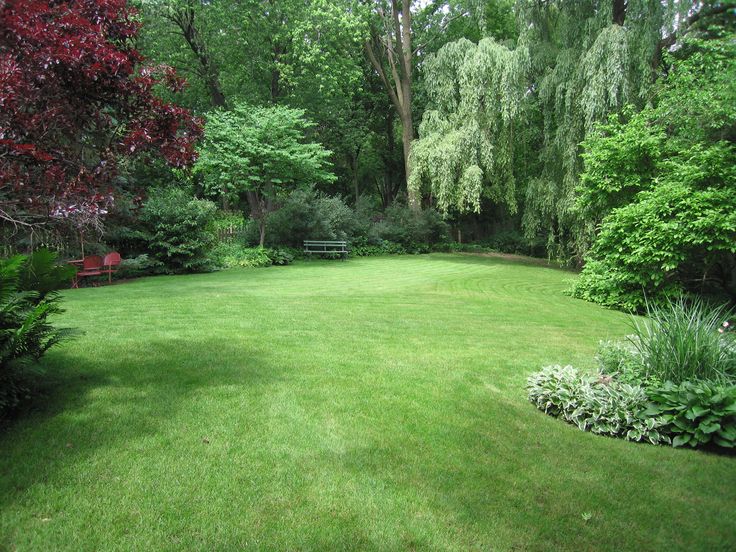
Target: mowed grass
374, 404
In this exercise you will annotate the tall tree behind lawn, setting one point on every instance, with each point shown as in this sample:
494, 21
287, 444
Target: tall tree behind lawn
497, 108
260, 153
75, 100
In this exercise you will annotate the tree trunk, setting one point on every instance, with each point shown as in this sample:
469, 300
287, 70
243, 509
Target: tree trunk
184, 19
352, 159
407, 135
619, 11
262, 230
390, 52
356, 189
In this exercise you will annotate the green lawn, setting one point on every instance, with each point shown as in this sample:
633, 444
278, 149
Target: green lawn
374, 404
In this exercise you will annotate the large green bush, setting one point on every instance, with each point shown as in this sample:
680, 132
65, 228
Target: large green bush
411, 229
307, 214
661, 184
176, 230
27, 301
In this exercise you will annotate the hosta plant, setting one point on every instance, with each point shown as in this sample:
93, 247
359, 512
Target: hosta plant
696, 413
596, 403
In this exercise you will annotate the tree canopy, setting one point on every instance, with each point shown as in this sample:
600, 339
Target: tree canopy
261, 153
76, 101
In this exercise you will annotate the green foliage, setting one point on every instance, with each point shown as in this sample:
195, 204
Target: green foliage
585, 66
281, 256
466, 148
682, 360
176, 229
261, 150
411, 229
262, 154
383, 247
139, 265
696, 413
599, 404
233, 254
622, 360
27, 300
620, 159
680, 340
662, 183
228, 225
308, 214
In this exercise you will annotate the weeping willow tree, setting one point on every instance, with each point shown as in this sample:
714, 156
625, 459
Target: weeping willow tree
575, 63
466, 146
590, 59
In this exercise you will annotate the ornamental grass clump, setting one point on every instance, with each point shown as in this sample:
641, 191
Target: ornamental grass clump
686, 340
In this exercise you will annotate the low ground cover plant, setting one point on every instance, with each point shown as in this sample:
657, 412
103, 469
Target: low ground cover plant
230, 255
672, 381
599, 404
696, 413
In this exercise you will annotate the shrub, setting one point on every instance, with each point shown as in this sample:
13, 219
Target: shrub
681, 341
27, 299
659, 184
230, 255
141, 265
228, 226
599, 404
176, 230
280, 256
622, 360
696, 413
413, 230
306, 214
383, 247
513, 241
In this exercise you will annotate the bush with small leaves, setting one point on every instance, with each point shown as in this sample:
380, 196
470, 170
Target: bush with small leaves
176, 230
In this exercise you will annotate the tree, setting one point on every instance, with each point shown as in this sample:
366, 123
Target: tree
467, 136
589, 59
389, 50
261, 153
305, 55
505, 119
76, 101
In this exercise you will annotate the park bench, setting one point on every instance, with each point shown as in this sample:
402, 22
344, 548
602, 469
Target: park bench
326, 247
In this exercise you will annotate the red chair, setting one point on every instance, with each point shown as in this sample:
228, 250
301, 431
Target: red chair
111, 262
91, 266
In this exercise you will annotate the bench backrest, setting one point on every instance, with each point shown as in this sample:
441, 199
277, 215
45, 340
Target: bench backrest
318, 242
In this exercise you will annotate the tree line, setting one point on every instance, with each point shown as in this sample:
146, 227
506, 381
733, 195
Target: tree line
549, 120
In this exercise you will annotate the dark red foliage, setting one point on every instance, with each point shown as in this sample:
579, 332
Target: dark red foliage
75, 99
